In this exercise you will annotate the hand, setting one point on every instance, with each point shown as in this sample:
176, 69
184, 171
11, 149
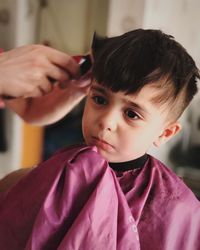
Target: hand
27, 71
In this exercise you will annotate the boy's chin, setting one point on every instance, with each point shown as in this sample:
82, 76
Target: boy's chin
105, 155
108, 157
115, 158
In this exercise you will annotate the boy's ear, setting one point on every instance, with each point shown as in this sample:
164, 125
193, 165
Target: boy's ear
169, 131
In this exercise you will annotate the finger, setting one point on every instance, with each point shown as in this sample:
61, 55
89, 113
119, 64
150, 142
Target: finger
85, 80
38, 88
63, 85
41, 53
38, 78
46, 85
36, 93
58, 74
64, 61
83, 83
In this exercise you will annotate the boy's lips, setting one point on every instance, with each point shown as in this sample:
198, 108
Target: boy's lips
102, 143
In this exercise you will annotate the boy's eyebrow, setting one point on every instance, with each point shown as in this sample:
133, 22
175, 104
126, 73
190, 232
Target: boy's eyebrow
99, 89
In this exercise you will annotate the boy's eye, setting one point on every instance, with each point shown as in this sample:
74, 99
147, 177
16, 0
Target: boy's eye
100, 100
131, 114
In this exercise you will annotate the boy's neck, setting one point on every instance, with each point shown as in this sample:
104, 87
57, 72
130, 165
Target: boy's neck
129, 165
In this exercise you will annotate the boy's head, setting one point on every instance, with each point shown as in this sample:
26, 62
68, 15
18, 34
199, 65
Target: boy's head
154, 74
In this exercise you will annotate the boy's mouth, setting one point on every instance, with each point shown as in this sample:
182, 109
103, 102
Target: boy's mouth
101, 143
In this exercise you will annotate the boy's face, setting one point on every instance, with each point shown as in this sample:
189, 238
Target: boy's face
123, 127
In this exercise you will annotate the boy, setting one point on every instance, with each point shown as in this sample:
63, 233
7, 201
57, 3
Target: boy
111, 194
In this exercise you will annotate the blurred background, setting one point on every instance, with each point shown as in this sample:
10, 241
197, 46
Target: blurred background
69, 26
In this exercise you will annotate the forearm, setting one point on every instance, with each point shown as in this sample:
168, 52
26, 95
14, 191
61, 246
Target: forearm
18, 105
49, 108
52, 107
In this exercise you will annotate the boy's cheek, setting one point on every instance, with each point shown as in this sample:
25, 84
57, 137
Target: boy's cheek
85, 121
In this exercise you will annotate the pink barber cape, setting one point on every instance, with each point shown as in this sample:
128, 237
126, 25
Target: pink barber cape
75, 201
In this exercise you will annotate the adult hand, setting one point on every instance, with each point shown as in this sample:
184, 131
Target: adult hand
29, 71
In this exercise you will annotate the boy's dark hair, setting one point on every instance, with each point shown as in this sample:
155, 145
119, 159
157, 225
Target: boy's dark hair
139, 57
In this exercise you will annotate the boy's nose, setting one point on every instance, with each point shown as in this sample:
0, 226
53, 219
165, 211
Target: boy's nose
108, 121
